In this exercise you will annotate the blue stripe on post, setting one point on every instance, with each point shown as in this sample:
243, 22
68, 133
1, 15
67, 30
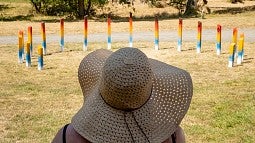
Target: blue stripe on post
20, 56
40, 62
28, 60
198, 47
218, 48
44, 47
130, 41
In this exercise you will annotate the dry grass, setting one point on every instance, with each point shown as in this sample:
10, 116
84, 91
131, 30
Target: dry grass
35, 104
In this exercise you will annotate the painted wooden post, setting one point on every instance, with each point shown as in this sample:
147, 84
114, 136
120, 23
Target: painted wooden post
21, 33
130, 30
40, 57
179, 48
61, 34
156, 34
109, 40
234, 40
43, 38
218, 38
85, 44
231, 57
240, 49
30, 39
20, 53
242, 36
199, 36
28, 55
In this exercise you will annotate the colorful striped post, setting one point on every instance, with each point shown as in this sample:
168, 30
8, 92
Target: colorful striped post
85, 44
40, 57
179, 48
61, 34
20, 54
240, 49
218, 38
242, 36
199, 36
231, 57
30, 39
43, 38
21, 33
234, 39
130, 30
156, 34
28, 55
109, 40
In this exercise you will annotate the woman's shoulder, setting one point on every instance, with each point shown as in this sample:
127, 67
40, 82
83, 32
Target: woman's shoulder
70, 136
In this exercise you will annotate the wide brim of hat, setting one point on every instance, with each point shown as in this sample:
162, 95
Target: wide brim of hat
155, 121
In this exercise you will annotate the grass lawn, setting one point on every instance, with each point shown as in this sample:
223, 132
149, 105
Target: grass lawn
35, 104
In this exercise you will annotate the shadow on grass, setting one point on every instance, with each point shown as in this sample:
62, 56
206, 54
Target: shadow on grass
234, 10
116, 18
3, 7
16, 18
189, 49
247, 60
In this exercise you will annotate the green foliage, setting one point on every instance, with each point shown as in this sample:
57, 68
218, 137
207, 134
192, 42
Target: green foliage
179, 4
98, 2
63, 7
55, 7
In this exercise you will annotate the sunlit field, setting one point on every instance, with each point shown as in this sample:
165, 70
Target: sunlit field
35, 104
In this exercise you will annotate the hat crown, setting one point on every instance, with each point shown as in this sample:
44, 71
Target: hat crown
126, 80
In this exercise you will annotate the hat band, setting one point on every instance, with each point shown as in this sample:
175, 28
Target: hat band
137, 125
128, 109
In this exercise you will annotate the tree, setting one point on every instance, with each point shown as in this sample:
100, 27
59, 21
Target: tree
81, 8
191, 8
77, 8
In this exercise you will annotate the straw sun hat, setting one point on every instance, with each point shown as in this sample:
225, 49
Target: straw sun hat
130, 98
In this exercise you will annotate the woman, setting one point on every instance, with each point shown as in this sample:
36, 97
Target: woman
128, 98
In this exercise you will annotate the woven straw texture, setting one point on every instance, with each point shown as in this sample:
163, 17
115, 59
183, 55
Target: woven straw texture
130, 98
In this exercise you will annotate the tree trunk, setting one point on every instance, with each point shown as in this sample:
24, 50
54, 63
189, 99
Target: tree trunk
191, 8
88, 7
81, 8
